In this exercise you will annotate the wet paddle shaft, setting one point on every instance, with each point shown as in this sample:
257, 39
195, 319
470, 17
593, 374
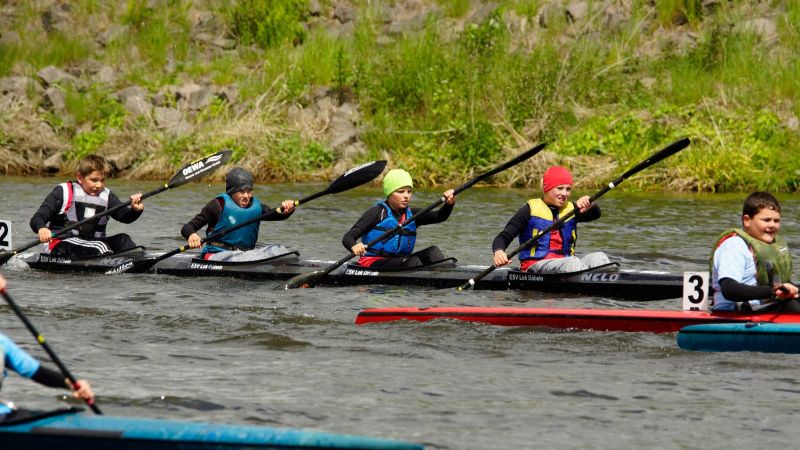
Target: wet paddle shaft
667, 151
192, 171
350, 179
307, 279
40, 339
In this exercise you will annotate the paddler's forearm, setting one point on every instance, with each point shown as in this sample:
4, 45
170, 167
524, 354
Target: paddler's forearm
739, 292
49, 377
513, 228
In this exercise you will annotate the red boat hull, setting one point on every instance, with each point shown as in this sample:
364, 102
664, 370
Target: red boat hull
649, 320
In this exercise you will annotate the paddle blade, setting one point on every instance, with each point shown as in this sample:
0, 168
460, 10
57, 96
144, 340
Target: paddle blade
662, 154
356, 176
199, 167
5, 256
304, 280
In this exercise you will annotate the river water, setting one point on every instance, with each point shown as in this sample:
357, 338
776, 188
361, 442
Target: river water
238, 351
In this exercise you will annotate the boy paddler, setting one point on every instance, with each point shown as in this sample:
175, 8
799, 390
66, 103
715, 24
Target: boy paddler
234, 206
74, 201
555, 251
397, 251
751, 267
14, 358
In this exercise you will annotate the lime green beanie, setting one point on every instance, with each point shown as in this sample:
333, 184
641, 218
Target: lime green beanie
394, 180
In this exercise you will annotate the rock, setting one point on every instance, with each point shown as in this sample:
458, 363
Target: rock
57, 17
16, 87
54, 100
314, 8
765, 28
52, 75
576, 11
482, 13
121, 161
648, 82
193, 96
793, 123
10, 38
171, 121
344, 12
112, 33
229, 94
138, 106
123, 95
106, 75
52, 164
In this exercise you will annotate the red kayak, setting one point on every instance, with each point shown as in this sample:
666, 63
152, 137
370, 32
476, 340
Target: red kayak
650, 320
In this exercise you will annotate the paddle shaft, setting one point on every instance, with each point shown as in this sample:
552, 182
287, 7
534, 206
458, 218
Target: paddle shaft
43, 343
653, 159
518, 159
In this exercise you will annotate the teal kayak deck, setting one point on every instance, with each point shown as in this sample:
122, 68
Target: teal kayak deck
738, 337
82, 431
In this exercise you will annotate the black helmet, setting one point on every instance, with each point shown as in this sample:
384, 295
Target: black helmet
237, 180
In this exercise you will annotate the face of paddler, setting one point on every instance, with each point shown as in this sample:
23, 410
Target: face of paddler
243, 197
764, 225
399, 199
93, 183
558, 196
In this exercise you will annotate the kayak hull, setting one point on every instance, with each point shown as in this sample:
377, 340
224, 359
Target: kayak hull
739, 337
81, 431
607, 282
633, 320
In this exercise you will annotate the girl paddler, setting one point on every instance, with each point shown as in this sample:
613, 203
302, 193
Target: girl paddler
234, 206
751, 267
555, 251
397, 250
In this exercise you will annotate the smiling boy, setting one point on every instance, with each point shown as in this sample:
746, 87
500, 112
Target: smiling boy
751, 267
74, 201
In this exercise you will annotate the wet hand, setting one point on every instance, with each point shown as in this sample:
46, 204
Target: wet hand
500, 258
359, 249
136, 202
194, 240
449, 197
45, 235
287, 207
583, 203
83, 390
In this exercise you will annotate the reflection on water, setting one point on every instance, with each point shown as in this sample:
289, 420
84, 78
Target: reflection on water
239, 351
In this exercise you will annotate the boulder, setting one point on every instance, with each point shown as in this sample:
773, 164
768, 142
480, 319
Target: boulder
105, 75
53, 163
52, 75
138, 106
123, 95
193, 96
54, 100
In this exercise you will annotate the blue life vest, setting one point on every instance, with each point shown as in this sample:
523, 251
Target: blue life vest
244, 238
399, 244
541, 218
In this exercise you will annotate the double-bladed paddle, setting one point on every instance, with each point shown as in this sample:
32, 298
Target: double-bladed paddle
667, 151
350, 179
308, 279
43, 343
189, 172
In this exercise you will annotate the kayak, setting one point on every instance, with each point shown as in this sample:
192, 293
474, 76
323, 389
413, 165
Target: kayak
607, 281
738, 337
68, 429
647, 320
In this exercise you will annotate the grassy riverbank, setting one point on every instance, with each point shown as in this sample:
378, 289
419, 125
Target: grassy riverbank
456, 88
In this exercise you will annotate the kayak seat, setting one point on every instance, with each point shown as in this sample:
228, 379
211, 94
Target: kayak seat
446, 263
283, 258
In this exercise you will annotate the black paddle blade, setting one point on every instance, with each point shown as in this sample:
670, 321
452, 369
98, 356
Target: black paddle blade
304, 280
200, 167
357, 176
662, 154
5, 256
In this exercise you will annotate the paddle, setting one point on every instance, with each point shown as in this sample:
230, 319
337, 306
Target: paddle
189, 172
307, 279
43, 343
669, 150
350, 179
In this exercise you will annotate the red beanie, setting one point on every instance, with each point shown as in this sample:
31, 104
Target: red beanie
555, 176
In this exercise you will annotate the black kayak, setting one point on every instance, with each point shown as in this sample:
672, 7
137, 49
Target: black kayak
606, 281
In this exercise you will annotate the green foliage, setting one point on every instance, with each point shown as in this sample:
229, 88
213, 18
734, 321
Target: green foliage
175, 147
296, 153
268, 23
669, 11
87, 142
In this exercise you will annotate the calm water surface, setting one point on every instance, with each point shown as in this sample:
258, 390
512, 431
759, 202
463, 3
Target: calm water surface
240, 352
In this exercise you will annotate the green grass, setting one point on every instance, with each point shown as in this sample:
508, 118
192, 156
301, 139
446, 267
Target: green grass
449, 104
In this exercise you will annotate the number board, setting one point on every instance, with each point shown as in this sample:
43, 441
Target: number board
5, 235
695, 291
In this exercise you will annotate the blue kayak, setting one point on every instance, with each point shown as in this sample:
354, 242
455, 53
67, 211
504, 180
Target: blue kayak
68, 429
739, 337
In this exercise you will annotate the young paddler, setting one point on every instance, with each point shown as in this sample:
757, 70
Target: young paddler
555, 251
751, 267
397, 251
73, 201
234, 206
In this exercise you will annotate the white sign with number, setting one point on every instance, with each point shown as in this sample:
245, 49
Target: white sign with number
5, 235
695, 291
